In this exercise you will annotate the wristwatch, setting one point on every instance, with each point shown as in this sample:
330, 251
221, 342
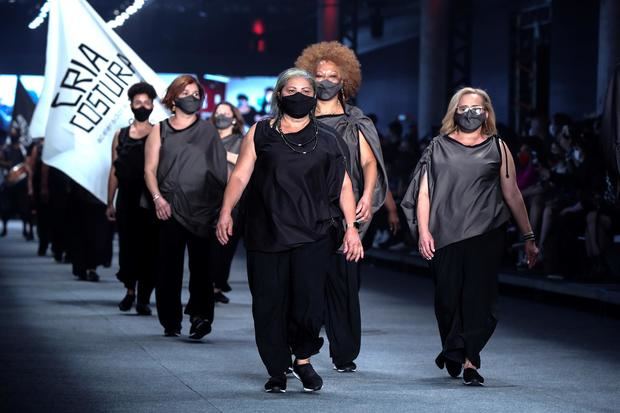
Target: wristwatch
355, 225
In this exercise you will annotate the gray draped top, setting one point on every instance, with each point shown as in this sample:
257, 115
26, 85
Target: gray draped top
192, 174
349, 125
464, 189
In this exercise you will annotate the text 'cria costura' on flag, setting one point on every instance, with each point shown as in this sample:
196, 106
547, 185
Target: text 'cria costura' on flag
92, 84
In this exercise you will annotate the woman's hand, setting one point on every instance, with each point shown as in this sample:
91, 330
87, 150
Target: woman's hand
426, 245
393, 222
531, 252
224, 228
363, 209
162, 209
110, 213
353, 249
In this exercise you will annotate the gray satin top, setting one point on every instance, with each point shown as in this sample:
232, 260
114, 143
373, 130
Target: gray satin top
464, 188
348, 125
192, 174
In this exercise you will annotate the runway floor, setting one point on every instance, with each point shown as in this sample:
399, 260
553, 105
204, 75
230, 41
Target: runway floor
65, 347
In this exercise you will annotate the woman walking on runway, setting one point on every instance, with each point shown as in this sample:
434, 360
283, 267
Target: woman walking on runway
337, 72
185, 171
456, 206
229, 124
136, 225
298, 192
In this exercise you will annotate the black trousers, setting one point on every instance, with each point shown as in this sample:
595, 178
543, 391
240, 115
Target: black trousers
173, 239
465, 276
221, 256
91, 236
137, 239
288, 302
343, 323
44, 215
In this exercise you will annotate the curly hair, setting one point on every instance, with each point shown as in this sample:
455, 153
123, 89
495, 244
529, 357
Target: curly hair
141, 88
340, 55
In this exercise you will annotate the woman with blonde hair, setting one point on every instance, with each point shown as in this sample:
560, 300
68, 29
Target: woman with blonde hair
457, 205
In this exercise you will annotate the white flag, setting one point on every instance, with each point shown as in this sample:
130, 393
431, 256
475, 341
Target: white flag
88, 71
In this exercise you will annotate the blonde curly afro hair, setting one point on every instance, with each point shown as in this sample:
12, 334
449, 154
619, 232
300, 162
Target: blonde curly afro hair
341, 55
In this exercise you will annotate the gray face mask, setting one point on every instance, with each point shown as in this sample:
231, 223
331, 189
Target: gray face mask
223, 122
326, 90
188, 104
468, 122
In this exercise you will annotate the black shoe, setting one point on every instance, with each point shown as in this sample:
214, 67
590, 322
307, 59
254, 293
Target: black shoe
471, 377
349, 367
92, 276
143, 309
226, 288
454, 368
127, 302
42, 252
220, 298
200, 328
276, 384
172, 332
58, 257
289, 370
309, 378
81, 275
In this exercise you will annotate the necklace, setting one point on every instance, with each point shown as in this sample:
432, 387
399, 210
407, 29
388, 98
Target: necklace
294, 146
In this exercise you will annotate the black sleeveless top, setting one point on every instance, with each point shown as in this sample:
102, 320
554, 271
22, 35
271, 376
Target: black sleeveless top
293, 198
129, 169
192, 174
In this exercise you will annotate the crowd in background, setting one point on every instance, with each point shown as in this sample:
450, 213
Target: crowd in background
571, 198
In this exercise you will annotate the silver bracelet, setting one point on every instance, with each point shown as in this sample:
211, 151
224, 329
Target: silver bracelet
156, 197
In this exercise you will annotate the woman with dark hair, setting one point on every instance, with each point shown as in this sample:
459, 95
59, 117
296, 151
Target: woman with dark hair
229, 124
298, 192
461, 196
185, 171
136, 225
338, 75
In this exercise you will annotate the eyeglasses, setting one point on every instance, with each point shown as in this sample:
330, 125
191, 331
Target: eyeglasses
476, 110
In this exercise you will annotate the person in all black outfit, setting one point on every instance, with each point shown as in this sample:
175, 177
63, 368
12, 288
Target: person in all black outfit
137, 231
229, 124
294, 168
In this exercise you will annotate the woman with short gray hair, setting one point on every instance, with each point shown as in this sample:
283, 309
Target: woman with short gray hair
298, 192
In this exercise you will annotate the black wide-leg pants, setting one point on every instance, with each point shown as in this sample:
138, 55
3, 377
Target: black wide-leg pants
288, 302
173, 238
465, 277
343, 323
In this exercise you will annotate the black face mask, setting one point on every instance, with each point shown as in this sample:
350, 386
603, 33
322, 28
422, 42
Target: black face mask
223, 121
298, 105
188, 104
468, 122
141, 114
326, 90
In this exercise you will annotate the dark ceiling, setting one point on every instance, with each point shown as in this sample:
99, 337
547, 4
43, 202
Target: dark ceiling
213, 36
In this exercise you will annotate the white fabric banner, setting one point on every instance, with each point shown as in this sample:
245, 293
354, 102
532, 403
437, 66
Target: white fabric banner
88, 71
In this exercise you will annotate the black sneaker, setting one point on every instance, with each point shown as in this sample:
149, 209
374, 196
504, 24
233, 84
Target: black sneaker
92, 276
454, 368
471, 377
349, 367
200, 328
289, 370
143, 309
309, 378
127, 302
276, 384
221, 298
172, 332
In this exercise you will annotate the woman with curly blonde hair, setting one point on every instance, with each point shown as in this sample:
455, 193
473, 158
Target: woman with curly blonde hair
462, 194
338, 75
